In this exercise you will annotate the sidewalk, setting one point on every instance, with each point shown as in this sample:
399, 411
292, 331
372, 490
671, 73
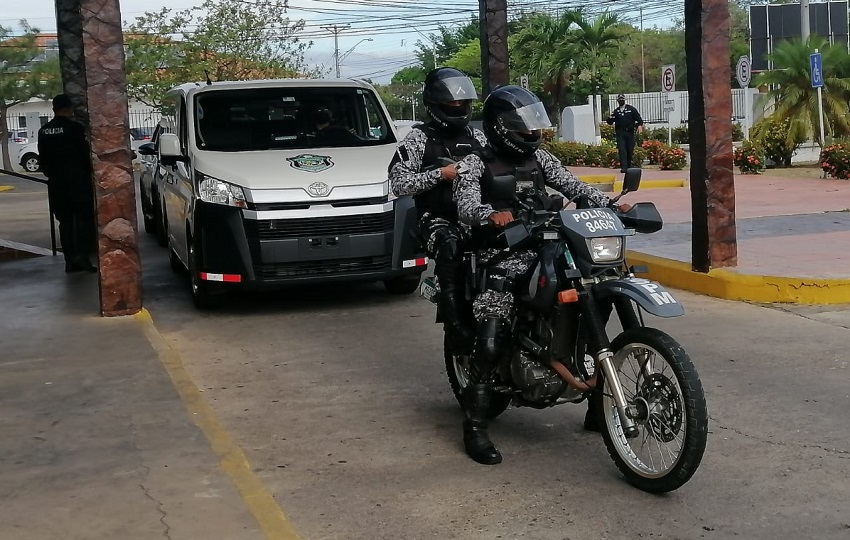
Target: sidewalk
96, 434
792, 239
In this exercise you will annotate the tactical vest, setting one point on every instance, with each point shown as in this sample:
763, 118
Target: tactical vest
528, 175
439, 200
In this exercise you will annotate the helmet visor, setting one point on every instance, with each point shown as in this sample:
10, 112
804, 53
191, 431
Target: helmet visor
454, 89
526, 118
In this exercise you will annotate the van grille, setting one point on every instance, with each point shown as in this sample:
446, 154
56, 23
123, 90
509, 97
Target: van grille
303, 205
329, 268
280, 229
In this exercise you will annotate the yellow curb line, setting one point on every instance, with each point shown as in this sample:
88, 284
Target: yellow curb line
7, 188
260, 502
601, 179
729, 285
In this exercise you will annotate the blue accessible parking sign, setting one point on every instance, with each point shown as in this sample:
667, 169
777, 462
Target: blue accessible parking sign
816, 65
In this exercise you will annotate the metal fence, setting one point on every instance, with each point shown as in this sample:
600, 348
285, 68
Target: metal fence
650, 105
139, 118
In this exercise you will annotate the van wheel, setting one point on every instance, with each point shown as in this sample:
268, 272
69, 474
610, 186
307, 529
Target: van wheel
402, 285
201, 296
30, 163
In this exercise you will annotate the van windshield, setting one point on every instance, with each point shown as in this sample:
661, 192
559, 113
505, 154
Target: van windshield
232, 120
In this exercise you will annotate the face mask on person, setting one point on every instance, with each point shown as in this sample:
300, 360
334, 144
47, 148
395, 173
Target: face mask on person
621, 102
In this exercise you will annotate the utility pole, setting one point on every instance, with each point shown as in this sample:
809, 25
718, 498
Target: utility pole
493, 22
642, 66
335, 30
804, 19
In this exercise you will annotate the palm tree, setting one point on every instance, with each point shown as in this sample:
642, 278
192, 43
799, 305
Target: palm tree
795, 99
596, 45
546, 51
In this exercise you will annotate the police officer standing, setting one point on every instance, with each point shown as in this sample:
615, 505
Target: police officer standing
64, 156
423, 168
626, 120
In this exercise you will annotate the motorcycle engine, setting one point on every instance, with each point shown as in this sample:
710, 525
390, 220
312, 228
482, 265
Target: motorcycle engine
539, 383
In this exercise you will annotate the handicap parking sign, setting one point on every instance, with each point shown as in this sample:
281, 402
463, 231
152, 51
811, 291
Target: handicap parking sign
816, 65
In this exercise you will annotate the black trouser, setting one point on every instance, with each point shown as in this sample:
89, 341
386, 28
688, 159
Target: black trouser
76, 232
625, 147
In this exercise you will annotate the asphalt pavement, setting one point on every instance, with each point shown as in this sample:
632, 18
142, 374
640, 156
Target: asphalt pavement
324, 412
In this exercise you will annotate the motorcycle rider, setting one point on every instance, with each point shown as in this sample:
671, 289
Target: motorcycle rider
513, 119
421, 168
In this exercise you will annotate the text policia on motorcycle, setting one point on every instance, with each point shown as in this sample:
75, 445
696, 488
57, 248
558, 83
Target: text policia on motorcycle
543, 281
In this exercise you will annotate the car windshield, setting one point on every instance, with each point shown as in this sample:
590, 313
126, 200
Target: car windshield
231, 120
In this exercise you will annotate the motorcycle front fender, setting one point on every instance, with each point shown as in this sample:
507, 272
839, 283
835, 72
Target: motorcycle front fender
649, 295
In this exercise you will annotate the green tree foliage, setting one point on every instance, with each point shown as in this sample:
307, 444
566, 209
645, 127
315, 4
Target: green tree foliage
796, 101
228, 39
445, 43
24, 74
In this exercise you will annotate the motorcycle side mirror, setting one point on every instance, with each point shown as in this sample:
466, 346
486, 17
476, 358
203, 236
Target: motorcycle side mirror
631, 182
504, 187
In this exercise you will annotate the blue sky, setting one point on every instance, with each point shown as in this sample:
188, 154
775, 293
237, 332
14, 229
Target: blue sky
393, 26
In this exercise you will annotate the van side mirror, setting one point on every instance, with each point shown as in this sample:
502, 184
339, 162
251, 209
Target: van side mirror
169, 149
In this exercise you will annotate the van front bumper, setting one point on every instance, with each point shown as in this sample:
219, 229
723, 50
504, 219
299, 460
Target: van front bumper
240, 250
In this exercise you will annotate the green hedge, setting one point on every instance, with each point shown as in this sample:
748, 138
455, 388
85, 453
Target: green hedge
590, 155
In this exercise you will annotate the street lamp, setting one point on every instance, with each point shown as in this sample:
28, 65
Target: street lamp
344, 55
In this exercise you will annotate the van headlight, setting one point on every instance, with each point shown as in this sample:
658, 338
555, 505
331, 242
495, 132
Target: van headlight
605, 249
217, 191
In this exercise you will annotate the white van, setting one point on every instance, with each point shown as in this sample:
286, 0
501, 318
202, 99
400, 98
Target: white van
269, 183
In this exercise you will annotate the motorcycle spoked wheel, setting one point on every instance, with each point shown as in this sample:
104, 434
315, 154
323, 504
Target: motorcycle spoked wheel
457, 370
672, 413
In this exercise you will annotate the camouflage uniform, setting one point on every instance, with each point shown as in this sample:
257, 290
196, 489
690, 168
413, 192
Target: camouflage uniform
407, 178
473, 211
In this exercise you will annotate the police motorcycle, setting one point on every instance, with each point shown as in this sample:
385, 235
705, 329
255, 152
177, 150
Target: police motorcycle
654, 419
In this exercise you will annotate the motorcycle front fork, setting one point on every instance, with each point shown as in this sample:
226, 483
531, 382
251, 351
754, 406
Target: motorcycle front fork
604, 356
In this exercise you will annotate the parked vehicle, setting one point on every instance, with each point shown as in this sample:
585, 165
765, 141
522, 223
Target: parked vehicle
149, 180
28, 157
654, 415
256, 193
142, 133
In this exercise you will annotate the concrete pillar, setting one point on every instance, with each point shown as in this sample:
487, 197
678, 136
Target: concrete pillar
92, 59
714, 242
493, 20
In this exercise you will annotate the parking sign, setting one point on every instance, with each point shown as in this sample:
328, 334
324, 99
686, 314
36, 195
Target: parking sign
816, 65
743, 72
668, 78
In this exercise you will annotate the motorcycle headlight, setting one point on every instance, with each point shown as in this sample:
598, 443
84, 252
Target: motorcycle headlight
218, 191
605, 249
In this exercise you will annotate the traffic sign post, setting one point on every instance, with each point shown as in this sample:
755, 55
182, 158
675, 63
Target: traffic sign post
668, 84
816, 67
668, 78
744, 72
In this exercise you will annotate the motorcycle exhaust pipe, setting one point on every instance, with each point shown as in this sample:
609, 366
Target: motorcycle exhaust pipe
581, 386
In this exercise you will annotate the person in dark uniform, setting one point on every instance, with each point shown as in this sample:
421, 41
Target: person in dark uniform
65, 158
626, 120
513, 120
423, 168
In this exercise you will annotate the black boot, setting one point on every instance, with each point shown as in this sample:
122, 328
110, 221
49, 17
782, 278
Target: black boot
476, 440
592, 417
488, 345
449, 272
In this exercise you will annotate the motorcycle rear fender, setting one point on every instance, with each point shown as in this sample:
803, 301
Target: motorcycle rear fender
649, 295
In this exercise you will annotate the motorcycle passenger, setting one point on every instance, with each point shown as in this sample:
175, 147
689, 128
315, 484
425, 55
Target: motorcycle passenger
421, 168
513, 119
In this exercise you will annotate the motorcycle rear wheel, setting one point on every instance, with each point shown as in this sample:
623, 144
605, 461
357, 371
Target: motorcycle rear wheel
457, 370
672, 418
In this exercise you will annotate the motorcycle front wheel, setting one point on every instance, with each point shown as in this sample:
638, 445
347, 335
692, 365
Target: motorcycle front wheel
667, 402
457, 370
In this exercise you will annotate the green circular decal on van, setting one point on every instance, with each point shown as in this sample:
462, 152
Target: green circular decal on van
311, 162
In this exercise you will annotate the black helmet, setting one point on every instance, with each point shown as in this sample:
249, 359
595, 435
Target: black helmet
513, 118
444, 85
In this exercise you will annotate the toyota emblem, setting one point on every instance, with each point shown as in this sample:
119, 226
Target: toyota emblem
318, 189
